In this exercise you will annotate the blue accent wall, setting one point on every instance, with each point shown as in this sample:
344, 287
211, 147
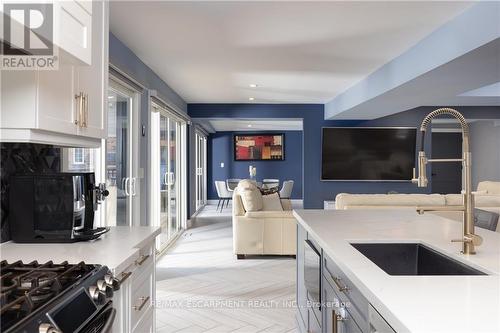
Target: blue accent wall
316, 191
220, 149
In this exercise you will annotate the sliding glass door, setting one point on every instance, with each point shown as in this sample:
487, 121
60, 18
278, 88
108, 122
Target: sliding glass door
168, 175
121, 162
201, 167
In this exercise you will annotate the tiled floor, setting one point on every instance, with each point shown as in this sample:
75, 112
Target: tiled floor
201, 287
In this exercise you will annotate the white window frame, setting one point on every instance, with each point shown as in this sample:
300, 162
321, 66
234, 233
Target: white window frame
82, 153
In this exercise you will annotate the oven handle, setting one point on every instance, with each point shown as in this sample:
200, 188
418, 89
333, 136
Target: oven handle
109, 323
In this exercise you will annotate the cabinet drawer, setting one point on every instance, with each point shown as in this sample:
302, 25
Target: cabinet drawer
355, 301
141, 292
314, 324
145, 256
146, 325
335, 307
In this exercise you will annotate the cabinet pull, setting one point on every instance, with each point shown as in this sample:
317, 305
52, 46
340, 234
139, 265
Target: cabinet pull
336, 280
141, 261
335, 321
86, 110
125, 276
144, 300
82, 110
85, 107
78, 109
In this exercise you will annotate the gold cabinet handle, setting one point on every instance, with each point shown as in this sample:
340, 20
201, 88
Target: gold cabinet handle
336, 280
335, 321
141, 260
78, 102
124, 276
82, 110
144, 300
85, 109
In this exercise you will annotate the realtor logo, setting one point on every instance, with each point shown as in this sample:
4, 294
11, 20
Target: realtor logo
28, 34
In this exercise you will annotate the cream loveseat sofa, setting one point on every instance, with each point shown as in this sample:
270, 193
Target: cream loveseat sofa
486, 197
258, 231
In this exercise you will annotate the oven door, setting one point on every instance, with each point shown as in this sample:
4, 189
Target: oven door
312, 272
102, 322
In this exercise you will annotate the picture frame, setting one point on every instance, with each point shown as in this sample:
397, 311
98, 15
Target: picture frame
259, 147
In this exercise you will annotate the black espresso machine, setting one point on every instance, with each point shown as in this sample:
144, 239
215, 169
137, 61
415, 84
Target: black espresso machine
54, 208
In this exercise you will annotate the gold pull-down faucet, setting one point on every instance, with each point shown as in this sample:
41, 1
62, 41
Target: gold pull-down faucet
469, 239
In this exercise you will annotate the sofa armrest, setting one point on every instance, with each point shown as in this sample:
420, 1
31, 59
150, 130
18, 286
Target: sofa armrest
270, 214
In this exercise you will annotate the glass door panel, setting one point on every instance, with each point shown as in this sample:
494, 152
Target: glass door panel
117, 159
164, 174
173, 193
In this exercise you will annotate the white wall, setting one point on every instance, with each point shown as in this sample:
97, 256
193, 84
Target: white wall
485, 146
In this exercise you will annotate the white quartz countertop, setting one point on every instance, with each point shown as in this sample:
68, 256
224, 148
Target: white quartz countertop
413, 303
116, 249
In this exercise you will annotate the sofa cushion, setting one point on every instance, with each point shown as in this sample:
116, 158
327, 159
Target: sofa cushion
271, 202
252, 199
270, 214
490, 187
344, 200
479, 200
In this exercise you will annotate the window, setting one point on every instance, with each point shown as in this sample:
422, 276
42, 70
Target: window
79, 159
78, 156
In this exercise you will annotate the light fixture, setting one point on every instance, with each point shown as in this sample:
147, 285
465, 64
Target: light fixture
249, 125
251, 98
253, 85
111, 97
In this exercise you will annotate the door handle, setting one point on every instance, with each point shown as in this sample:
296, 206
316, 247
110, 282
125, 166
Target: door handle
133, 182
127, 181
165, 181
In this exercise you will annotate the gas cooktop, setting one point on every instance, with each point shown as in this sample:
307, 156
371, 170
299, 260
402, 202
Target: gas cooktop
33, 294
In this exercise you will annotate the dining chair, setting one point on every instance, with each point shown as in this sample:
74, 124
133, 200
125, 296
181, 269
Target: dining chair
271, 183
223, 193
286, 190
232, 183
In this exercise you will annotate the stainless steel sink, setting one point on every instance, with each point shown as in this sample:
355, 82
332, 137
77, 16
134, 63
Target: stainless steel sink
412, 259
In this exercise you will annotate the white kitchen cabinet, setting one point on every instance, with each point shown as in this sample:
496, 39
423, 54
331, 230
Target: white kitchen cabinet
73, 30
93, 80
145, 325
56, 103
65, 107
134, 302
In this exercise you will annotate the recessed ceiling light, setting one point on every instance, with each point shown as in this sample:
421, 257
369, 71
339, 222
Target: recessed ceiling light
251, 98
111, 97
249, 125
253, 85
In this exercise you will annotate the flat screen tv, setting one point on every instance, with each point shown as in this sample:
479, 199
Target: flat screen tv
368, 154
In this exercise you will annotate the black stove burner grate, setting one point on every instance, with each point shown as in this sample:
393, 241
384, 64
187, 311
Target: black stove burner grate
26, 287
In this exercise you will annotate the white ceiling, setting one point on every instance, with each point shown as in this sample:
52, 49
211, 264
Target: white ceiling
492, 90
250, 125
297, 52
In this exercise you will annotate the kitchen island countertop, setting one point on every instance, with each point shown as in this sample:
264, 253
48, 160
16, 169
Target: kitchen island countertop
116, 249
413, 303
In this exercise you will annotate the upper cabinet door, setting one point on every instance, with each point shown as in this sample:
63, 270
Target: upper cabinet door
92, 81
73, 31
56, 107
48, 106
